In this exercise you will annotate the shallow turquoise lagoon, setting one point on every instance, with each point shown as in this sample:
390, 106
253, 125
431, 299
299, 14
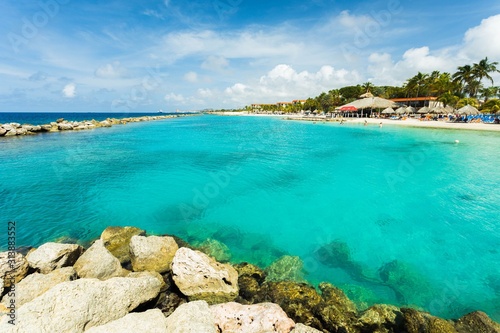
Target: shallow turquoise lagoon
393, 215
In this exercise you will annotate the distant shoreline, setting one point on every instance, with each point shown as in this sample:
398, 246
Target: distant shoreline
371, 121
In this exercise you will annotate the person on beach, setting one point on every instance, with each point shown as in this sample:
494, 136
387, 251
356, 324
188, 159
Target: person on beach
366, 122
380, 125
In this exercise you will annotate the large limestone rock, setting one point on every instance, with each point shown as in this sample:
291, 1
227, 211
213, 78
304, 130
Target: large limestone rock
51, 256
202, 278
97, 262
1, 287
152, 253
36, 284
81, 304
13, 267
117, 240
192, 317
258, 318
379, 318
2, 131
151, 321
301, 328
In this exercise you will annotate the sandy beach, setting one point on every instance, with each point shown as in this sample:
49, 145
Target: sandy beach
376, 121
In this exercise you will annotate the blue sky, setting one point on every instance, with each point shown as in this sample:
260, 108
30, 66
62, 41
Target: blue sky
89, 55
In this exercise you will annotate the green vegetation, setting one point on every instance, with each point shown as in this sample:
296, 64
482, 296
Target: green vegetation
466, 86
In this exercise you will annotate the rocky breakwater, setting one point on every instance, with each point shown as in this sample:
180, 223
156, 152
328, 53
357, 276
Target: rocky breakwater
16, 129
128, 281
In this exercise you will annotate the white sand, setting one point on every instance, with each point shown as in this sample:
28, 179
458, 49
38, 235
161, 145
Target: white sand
408, 122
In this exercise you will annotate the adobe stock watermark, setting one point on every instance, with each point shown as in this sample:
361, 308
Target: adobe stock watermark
364, 35
226, 8
10, 275
140, 93
31, 26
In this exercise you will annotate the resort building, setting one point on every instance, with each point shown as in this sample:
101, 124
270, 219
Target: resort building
419, 102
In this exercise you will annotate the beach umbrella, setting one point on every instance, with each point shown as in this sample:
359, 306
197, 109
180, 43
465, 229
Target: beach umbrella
439, 109
348, 108
425, 109
388, 111
450, 109
371, 103
411, 109
366, 95
468, 109
400, 110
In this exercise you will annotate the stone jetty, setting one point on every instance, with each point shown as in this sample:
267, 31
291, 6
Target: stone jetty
16, 129
129, 281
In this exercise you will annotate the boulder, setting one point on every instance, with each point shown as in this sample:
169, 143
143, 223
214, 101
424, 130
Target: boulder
78, 305
299, 300
415, 321
117, 240
477, 322
21, 131
65, 127
51, 256
60, 120
12, 132
151, 321
379, 318
200, 277
301, 328
8, 127
98, 262
1, 287
36, 284
2, 131
13, 267
286, 268
191, 317
258, 318
36, 128
46, 128
152, 253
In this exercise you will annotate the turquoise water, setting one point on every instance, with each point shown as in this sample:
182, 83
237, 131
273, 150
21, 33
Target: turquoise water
393, 215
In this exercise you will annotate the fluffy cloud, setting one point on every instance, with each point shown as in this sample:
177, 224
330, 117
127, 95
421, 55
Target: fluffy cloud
215, 63
484, 39
69, 91
110, 71
191, 77
174, 97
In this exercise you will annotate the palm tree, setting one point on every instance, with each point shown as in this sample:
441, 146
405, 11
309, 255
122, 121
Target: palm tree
464, 76
483, 69
487, 93
367, 86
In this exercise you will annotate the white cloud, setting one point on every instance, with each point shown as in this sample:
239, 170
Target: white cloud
215, 63
110, 71
174, 97
205, 93
69, 91
484, 40
191, 77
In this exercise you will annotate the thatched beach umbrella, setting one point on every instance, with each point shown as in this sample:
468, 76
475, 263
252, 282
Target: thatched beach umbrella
411, 109
372, 103
468, 109
366, 95
388, 111
401, 110
423, 110
439, 109
450, 109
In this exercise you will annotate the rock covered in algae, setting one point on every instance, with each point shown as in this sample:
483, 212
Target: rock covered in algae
117, 240
411, 287
417, 321
250, 278
336, 311
218, 250
361, 296
380, 319
298, 300
286, 268
477, 322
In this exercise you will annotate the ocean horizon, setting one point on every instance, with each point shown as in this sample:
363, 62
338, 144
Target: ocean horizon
390, 215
